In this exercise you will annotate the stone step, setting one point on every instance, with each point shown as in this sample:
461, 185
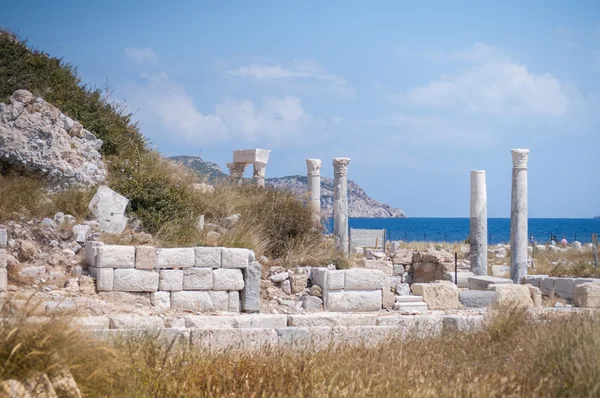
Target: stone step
409, 299
413, 307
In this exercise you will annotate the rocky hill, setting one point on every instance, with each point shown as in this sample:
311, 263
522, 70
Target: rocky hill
359, 203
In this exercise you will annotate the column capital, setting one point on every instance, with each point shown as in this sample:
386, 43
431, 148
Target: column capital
236, 170
340, 166
519, 158
314, 167
260, 169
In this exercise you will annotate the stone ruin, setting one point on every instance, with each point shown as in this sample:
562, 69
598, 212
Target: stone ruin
242, 158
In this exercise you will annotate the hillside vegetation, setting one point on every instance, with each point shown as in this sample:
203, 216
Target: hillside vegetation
160, 191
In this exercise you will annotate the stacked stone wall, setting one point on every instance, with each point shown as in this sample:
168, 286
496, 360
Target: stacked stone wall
356, 289
189, 278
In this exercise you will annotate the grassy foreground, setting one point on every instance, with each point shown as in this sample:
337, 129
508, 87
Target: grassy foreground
514, 356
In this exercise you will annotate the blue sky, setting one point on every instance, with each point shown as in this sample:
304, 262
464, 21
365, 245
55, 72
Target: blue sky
417, 94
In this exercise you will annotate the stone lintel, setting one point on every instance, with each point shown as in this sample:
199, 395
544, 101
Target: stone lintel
248, 156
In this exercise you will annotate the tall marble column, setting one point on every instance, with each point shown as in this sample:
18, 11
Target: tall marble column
258, 178
314, 187
236, 172
340, 203
518, 216
478, 235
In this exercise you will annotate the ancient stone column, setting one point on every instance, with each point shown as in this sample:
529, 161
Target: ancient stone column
478, 236
340, 202
258, 178
518, 216
314, 187
236, 172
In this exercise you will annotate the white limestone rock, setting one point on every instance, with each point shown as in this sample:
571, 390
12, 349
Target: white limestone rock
234, 301
197, 279
115, 256
235, 258
108, 207
161, 300
200, 300
176, 258
135, 280
352, 300
81, 232
209, 257
3, 279
170, 280
253, 321
104, 279
250, 294
127, 321
91, 252
227, 279
363, 279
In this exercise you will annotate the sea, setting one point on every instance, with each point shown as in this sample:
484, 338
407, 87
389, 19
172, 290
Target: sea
457, 229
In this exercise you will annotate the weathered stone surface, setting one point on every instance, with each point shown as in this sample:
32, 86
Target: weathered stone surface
191, 300
311, 302
91, 252
3, 258
39, 386
63, 382
184, 257
235, 258
261, 321
135, 280
546, 285
533, 280
197, 279
431, 266
227, 279
210, 322
463, 277
438, 296
563, 287
483, 282
519, 237
402, 257
145, 257
352, 300
127, 321
587, 295
81, 232
161, 300
249, 339
328, 279
108, 207
280, 277
13, 389
363, 279
500, 271
91, 322
512, 295
463, 323
476, 298
115, 256
298, 282
234, 301
536, 295
34, 139
3, 237
209, 257
332, 319
104, 279
250, 295
170, 280
388, 297
385, 266
219, 300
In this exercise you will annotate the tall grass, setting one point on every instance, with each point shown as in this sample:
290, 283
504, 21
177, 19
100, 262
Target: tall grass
513, 356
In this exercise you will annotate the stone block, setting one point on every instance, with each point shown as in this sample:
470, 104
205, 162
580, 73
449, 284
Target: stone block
219, 300
463, 278
476, 298
533, 280
352, 300
3, 237
248, 156
91, 322
385, 266
3, 279
109, 208
500, 271
546, 285
161, 300
3, 258
536, 295
170, 280
115, 256
200, 301
587, 295
512, 295
402, 257
208, 257
135, 280
145, 257
579, 281
563, 287
483, 282
462, 323
250, 295
183, 257
328, 279
234, 301
219, 340
197, 279
235, 258
91, 252
126, 321
261, 321
388, 297
104, 279
227, 279
298, 282
363, 279
413, 325
81, 232
210, 322
332, 319
438, 296
311, 303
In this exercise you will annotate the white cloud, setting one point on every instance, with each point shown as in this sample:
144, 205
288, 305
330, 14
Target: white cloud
493, 84
164, 101
299, 69
141, 55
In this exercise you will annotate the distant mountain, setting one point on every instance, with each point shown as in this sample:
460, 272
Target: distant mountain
597, 217
359, 203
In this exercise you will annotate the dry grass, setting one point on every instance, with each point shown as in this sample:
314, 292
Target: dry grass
452, 247
22, 196
515, 356
569, 263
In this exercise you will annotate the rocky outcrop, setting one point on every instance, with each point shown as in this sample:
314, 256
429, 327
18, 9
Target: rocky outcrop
211, 171
37, 138
359, 203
